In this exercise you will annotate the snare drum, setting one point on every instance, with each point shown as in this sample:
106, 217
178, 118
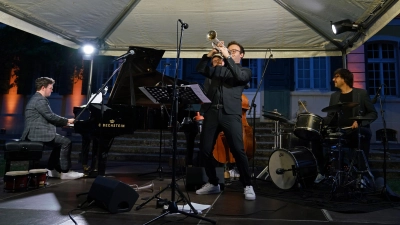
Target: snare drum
16, 180
308, 126
38, 178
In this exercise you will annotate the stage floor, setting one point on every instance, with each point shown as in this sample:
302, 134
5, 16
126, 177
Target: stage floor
54, 203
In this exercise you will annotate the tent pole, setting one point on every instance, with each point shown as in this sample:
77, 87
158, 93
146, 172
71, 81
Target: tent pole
344, 59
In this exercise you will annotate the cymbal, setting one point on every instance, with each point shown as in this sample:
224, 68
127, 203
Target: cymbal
277, 117
358, 118
339, 106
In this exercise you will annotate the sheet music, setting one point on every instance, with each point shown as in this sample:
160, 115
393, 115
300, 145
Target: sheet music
188, 93
197, 91
159, 93
97, 99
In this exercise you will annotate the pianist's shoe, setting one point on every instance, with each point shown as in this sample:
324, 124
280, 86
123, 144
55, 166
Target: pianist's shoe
70, 175
53, 173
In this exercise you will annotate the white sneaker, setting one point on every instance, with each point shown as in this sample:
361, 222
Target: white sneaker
70, 175
249, 193
234, 174
53, 173
319, 178
208, 189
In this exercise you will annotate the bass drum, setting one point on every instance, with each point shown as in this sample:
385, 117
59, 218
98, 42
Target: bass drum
288, 167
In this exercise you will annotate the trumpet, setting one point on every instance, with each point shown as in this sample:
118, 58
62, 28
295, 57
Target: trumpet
144, 187
212, 36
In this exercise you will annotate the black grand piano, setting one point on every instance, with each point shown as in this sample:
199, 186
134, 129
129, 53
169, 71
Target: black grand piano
126, 109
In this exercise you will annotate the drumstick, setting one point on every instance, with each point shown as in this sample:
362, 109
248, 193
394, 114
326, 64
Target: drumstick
301, 102
345, 128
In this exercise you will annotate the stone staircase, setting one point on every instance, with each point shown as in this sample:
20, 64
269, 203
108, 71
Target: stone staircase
144, 146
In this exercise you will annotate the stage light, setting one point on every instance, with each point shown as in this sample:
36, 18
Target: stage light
343, 26
88, 49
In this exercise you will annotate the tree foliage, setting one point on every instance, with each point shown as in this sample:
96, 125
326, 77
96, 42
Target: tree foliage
33, 57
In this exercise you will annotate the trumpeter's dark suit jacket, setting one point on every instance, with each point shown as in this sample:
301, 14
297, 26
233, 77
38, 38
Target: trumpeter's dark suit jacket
232, 83
40, 121
365, 107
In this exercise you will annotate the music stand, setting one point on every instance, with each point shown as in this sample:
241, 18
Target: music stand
190, 94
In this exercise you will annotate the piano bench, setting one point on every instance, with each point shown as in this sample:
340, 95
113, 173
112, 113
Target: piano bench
23, 151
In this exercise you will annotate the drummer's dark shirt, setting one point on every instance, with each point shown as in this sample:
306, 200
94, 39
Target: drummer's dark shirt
347, 112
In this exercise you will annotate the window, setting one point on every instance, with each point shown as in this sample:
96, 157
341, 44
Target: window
168, 66
382, 68
312, 73
253, 65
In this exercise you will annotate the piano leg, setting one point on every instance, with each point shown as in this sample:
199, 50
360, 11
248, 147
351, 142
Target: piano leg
84, 157
104, 146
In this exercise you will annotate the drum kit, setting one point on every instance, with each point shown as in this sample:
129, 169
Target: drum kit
296, 166
24, 180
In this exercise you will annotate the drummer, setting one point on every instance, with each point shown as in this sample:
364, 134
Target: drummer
360, 106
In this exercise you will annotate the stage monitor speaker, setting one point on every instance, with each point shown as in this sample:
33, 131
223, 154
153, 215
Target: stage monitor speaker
196, 177
113, 195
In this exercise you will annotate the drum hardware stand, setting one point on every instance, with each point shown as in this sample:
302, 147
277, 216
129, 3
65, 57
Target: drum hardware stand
338, 177
172, 204
253, 105
277, 145
356, 156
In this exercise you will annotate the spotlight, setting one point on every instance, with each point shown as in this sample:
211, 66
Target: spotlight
88, 49
343, 26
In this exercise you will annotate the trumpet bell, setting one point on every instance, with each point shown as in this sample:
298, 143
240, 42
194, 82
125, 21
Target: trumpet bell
211, 35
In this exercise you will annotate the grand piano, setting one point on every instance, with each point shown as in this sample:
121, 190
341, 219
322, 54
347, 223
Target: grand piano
126, 106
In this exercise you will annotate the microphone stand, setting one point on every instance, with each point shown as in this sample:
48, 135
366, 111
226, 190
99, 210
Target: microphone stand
253, 105
172, 204
98, 153
385, 146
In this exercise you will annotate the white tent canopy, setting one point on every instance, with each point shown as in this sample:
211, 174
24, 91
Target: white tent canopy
290, 28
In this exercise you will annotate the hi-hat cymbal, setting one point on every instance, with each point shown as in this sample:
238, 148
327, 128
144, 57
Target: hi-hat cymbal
339, 106
276, 117
358, 118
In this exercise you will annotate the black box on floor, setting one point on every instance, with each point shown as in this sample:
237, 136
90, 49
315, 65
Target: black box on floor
196, 177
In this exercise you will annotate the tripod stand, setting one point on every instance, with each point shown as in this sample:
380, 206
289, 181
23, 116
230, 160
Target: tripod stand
338, 109
385, 143
359, 152
191, 96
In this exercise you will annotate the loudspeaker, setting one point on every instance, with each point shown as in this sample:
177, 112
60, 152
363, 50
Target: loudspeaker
113, 195
196, 177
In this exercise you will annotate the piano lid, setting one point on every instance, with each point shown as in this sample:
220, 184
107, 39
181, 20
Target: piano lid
139, 70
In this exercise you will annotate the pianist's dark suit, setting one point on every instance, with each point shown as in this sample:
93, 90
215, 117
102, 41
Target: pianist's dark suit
226, 87
40, 125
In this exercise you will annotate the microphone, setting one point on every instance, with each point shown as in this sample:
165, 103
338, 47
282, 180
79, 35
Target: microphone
199, 121
104, 92
131, 52
280, 171
378, 93
184, 25
271, 56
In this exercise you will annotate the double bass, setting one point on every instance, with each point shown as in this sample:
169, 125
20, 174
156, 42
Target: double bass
221, 150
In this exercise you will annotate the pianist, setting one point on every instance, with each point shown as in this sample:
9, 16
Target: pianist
40, 125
